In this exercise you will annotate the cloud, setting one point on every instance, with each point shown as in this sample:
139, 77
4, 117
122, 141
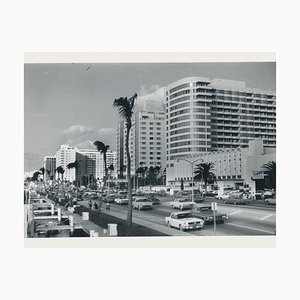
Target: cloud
106, 131
151, 98
83, 137
77, 129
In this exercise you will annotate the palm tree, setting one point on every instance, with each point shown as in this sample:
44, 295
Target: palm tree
102, 148
74, 165
42, 170
270, 169
204, 171
125, 108
61, 171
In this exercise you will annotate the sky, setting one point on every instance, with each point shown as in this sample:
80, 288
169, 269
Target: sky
72, 103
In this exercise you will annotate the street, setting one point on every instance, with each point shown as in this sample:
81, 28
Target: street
243, 219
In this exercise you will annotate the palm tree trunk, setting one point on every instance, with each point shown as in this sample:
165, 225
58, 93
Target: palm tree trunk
104, 181
129, 214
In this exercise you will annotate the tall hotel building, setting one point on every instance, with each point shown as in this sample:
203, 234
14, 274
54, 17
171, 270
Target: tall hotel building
49, 166
204, 115
64, 156
146, 141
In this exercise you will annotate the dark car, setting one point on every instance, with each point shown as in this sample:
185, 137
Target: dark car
207, 215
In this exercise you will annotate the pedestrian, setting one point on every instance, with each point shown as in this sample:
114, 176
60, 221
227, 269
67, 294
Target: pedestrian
95, 206
90, 204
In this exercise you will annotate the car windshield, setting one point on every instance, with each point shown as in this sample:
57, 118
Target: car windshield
185, 215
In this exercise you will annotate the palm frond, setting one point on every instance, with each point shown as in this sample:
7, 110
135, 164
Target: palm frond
100, 146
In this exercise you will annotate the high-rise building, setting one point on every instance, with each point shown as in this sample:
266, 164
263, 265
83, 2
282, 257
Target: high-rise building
204, 115
49, 166
146, 141
64, 156
149, 139
88, 163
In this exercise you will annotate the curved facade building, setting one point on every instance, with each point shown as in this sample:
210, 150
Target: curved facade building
204, 115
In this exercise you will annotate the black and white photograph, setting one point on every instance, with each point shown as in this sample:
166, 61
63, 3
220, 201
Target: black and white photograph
140, 143
149, 149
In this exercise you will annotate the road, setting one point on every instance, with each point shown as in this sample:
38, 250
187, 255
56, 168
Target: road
243, 219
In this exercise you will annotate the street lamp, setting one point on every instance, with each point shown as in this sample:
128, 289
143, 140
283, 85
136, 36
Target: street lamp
192, 164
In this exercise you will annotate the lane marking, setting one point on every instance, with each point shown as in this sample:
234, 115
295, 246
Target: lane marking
265, 217
235, 212
251, 228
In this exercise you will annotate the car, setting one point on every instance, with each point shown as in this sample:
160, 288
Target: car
236, 200
182, 194
210, 193
161, 193
122, 194
154, 200
270, 201
189, 196
269, 194
141, 203
121, 201
110, 198
259, 194
222, 196
207, 215
184, 221
182, 203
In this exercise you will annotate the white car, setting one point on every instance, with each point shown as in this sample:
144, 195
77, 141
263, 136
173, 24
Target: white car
270, 201
222, 197
121, 201
182, 203
141, 203
184, 221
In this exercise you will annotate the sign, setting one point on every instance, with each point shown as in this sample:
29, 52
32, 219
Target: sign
214, 206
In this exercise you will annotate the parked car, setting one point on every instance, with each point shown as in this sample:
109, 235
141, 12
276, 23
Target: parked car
210, 193
184, 221
236, 200
142, 203
269, 194
270, 201
207, 215
121, 201
182, 203
259, 194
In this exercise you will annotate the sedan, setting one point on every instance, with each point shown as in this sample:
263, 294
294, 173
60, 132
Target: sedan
182, 203
184, 221
122, 201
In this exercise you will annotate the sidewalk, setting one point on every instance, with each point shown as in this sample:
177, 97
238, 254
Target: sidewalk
86, 225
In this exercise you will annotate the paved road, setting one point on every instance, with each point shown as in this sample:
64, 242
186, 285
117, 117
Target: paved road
243, 220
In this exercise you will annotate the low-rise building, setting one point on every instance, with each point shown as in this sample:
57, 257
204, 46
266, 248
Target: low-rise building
234, 167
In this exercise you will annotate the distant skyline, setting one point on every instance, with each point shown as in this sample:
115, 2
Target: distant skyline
72, 103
